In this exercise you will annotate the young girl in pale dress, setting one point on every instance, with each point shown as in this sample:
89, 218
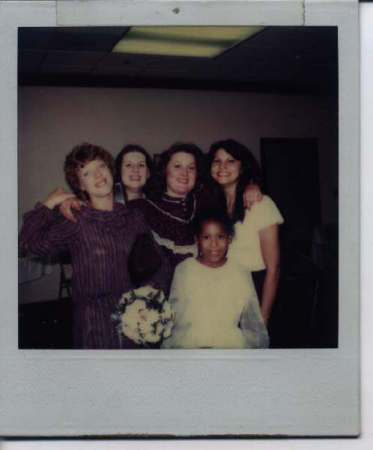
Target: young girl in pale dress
214, 301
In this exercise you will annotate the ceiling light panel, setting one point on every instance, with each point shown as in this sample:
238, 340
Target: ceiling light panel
202, 42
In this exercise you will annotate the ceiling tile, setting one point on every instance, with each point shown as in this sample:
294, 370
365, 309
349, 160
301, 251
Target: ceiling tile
292, 55
73, 58
29, 61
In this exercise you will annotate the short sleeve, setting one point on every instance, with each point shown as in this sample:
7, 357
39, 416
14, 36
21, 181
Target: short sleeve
265, 213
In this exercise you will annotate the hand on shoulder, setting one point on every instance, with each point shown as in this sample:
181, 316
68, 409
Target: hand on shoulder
56, 197
251, 195
68, 206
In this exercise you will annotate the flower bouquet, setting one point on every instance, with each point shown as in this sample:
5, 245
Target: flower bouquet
144, 315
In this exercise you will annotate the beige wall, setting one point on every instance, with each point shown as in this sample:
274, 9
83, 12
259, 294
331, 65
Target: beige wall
53, 120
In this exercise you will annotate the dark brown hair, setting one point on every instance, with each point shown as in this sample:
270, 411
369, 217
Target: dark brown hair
157, 182
250, 171
119, 160
79, 156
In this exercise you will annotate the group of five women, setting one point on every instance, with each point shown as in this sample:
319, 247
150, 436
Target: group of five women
199, 232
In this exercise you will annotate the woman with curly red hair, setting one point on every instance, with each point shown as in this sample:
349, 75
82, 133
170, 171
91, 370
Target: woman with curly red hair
100, 244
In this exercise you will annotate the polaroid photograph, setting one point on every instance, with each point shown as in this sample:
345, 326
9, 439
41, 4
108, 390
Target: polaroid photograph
182, 194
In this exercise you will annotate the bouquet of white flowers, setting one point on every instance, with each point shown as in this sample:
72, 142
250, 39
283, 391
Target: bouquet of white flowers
144, 315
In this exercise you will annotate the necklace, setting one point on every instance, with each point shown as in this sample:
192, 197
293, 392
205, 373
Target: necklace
179, 219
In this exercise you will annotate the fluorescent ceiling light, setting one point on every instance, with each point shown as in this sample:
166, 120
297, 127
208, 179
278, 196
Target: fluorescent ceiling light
203, 42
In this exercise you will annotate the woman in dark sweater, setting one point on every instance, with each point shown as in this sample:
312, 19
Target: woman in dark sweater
100, 243
172, 201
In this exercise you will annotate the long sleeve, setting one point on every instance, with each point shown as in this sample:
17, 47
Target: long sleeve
148, 262
143, 260
176, 287
176, 301
45, 233
214, 308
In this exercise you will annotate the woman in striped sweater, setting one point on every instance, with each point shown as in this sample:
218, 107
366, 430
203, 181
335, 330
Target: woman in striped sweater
100, 243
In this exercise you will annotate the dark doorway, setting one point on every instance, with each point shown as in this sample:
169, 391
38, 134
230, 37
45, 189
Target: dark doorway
306, 309
291, 178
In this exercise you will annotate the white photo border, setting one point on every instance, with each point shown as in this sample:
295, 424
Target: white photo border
300, 392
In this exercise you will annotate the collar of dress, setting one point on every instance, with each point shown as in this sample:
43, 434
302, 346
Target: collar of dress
117, 215
178, 201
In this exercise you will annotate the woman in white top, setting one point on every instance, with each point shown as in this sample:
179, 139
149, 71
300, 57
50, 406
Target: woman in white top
256, 243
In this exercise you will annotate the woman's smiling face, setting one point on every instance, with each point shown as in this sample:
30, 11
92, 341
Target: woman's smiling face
181, 174
224, 168
134, 172
95, 178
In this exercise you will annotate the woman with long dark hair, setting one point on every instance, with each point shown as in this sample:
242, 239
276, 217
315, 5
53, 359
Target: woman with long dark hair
133, 166
231, 167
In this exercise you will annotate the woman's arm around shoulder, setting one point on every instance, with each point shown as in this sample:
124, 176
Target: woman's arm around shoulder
252, 194
45, 232
148, 262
